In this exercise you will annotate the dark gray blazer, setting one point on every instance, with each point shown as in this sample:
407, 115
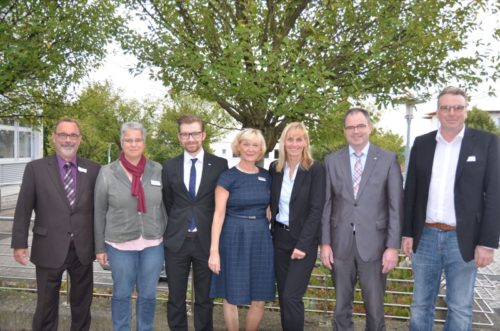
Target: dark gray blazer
476, 188
180, 205
42, 191
377, 212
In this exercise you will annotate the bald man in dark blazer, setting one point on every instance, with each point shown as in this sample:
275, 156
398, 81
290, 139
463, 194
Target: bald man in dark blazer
63, 229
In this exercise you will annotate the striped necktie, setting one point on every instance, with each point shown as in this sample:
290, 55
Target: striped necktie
69, 184
356, 176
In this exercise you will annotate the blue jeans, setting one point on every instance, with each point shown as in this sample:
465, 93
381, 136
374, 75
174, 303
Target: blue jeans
139, 270
437, 251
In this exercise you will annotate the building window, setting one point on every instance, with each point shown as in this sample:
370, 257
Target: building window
6, 143
224, 151
276, 154
24, 144
16, 141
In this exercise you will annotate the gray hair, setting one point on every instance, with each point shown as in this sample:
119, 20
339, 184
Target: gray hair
453, 90
132, 126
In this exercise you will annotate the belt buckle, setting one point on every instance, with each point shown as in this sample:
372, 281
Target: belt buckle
283, 226
191, 234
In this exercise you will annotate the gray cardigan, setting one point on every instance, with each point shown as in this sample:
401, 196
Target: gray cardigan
116, 218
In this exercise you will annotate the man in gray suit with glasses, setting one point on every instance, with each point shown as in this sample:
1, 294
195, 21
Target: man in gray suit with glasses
361, 223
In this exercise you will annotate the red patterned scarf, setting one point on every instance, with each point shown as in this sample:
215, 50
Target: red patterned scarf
136, 171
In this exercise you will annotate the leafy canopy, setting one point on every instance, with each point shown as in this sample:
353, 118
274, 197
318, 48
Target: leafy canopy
267, 63
47, 46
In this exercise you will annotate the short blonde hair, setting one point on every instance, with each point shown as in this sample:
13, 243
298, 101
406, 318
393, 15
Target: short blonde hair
249, 134
306, 159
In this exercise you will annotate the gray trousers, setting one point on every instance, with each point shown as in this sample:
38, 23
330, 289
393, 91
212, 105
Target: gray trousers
372, 280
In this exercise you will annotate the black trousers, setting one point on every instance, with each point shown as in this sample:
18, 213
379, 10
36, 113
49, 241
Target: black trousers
48, 285
177, 267
292, 277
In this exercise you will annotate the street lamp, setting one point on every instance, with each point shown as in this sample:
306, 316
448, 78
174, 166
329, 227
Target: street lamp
410, 101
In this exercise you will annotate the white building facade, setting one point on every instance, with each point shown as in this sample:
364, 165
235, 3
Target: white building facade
19, 144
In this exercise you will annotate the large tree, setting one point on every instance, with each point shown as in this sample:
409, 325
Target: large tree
267, 63
47, 46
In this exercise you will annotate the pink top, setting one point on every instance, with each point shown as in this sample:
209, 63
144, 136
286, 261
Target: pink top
136, 245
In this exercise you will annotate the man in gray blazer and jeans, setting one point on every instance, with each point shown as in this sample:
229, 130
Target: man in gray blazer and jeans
361, 223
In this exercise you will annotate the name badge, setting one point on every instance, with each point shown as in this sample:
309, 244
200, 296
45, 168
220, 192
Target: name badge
80, 169
155, 182
262, 179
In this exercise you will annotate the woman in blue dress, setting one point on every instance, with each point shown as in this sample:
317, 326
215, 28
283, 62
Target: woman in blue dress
241, 252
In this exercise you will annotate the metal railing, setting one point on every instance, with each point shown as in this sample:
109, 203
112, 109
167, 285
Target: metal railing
319, 298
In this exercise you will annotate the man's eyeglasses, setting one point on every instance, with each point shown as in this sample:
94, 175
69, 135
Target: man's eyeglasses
354, 127
186, 135
64, 136
447, 109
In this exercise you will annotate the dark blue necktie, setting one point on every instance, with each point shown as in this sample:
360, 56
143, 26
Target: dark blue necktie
192, 191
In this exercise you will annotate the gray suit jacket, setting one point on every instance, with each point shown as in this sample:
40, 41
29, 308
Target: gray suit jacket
116, 218
377, 213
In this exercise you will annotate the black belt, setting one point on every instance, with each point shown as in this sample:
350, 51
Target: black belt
282, 226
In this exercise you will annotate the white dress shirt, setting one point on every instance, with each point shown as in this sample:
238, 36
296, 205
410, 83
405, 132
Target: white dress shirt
198, 165
441, 200
285, 195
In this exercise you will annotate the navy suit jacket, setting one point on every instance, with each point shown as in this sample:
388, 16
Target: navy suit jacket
476, 190
180, 206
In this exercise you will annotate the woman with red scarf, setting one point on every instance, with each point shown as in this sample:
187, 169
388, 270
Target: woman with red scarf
129, 223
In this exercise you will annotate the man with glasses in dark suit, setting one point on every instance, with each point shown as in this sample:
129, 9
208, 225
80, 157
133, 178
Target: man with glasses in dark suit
60, 190
189, 182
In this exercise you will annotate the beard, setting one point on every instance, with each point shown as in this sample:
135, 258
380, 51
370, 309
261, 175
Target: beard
68, 150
